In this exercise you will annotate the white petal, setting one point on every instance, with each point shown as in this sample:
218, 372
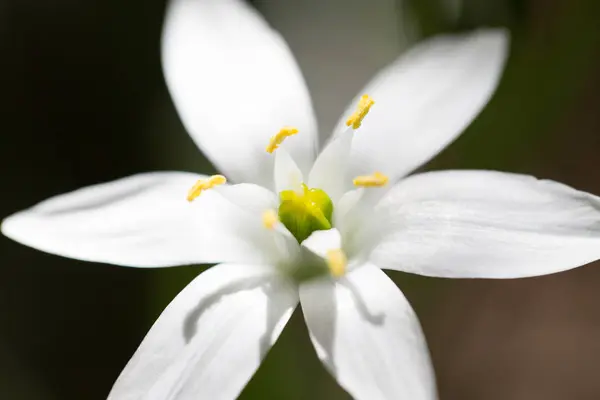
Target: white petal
368, 337
279, 246
211, 339
142, 221
235, 84
358, 223
484, 224
347, 205
319, 242
252, 198
287, 174
330, 172
425, 99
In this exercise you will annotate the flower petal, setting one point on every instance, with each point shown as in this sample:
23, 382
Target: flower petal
235, 84
357, 222
287, 175
319, 242
143, 221
252, 198
484, 224
368, 337
425, 99
347, 205
330, 171
210, 340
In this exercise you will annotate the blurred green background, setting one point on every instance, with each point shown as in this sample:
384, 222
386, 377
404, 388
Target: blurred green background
82, 100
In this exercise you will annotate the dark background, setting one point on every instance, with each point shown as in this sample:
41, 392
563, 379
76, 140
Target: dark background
82, 100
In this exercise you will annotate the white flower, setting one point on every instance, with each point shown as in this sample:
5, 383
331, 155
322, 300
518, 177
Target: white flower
235, 85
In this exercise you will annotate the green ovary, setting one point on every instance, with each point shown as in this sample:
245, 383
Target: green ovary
306, 212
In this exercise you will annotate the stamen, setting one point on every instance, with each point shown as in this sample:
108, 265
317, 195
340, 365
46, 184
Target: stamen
336, 261
364, 105
376, 180
277, 139
205, 184
270, 219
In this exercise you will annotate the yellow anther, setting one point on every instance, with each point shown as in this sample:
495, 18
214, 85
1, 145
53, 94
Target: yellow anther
205, 184
270, 219
376, 180
364, 105
277, 139
336, 261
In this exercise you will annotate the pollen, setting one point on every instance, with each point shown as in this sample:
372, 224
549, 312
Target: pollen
277, 139
270, 219
205, 184
336, 261
364, 105
376, 180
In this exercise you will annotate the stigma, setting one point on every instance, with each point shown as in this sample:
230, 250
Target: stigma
205, 184
336, 262
362, 109
375, 180
278, 138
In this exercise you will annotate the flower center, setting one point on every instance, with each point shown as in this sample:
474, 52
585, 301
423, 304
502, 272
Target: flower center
306, 212
303, 210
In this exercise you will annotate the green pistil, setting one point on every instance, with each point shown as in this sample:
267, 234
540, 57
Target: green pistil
305, 213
